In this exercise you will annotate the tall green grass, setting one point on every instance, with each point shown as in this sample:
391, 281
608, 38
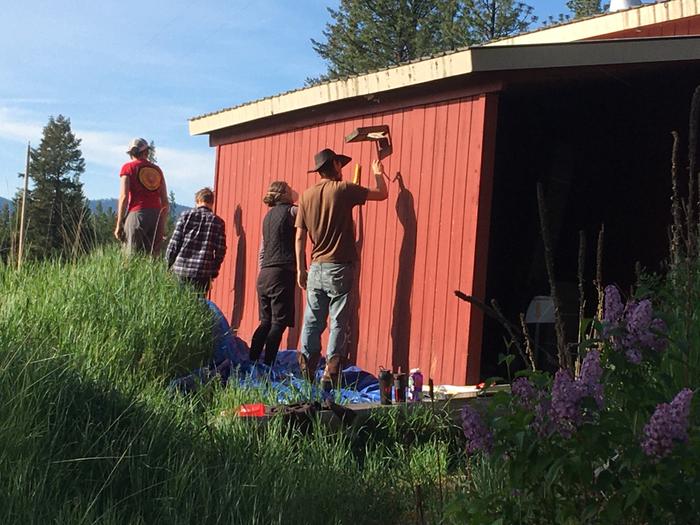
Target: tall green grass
89, 432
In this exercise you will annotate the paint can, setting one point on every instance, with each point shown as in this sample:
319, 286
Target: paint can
385, 384
415, 385
400, 387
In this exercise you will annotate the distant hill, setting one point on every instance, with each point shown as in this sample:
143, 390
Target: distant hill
112, 203
106, 204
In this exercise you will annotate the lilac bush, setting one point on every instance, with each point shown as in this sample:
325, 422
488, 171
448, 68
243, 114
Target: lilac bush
479, 437
566, 399
524, 392
563, 412
612, 305
591, 376
668, 425
632, 328
543, 424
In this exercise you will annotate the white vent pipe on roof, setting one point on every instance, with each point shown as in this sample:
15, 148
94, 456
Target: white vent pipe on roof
620, 5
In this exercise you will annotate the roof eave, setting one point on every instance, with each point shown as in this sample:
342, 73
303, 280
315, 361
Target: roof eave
481, 59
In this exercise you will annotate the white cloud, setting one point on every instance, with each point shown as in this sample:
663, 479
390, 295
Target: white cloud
186, 169
18, 130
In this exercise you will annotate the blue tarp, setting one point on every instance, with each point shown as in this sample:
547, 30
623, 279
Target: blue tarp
230, 362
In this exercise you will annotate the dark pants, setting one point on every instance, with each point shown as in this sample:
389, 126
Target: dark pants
200, 285
276, 302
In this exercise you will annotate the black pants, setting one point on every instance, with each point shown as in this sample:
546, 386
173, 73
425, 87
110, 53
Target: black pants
276, 302
200, 285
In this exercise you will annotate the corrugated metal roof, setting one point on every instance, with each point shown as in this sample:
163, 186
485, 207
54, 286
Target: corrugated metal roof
471, 60
606, 23
328, 82
685, 6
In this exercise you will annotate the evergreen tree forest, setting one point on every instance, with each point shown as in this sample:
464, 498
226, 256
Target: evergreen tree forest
364, 35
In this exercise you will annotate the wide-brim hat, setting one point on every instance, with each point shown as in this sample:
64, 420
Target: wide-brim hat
325, 156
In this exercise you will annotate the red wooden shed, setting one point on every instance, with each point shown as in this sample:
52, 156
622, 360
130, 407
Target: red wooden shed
457, 121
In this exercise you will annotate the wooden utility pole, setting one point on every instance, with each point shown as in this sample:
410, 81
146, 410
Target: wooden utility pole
20, 250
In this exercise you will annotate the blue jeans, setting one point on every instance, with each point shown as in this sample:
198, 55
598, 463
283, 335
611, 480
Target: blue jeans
327, 292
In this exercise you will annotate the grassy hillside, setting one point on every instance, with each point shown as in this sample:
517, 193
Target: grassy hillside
91, 434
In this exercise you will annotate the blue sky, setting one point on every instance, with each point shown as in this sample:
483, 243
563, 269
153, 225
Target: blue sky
120, 69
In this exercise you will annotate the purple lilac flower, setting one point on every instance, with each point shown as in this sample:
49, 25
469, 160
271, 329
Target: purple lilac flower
479, 437
643, 331
590, 376
655, 338
612, 306
668, 424
566, 398
638, 316
543, 423
524, 391
640, 330
633, 355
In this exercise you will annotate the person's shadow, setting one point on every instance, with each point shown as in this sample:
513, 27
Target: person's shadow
294, 333
239, 270
355, 297
401, 317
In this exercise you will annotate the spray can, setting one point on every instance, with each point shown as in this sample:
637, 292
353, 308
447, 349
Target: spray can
400, 387
415, 385
385, 384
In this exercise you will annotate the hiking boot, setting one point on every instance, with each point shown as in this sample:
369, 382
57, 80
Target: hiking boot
308, 366
331, 374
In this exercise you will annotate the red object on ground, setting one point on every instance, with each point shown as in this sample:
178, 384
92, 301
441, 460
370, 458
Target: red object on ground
481, 385
251, 410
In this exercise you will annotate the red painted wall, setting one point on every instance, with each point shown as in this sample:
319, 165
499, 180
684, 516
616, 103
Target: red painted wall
684, 27
429, 238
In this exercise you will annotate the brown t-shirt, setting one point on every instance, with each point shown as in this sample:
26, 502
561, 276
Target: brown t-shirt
325, 211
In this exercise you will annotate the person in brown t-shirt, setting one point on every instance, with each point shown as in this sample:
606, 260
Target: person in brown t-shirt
325, 215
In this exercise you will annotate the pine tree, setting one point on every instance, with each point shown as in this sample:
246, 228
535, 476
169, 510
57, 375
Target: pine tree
152, 153
372, 34
103, 221
172, 217
493, 19
6, 233
57, 215
583, 8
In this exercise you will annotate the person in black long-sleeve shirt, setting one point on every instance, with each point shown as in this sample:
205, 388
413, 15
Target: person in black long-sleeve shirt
277, 278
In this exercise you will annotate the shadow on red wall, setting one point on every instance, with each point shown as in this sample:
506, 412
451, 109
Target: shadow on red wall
401, 316
239, 273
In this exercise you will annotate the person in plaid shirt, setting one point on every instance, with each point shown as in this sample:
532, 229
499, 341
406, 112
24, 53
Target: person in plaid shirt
198, 245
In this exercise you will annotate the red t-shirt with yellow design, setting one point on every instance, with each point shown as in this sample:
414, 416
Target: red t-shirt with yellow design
145, 180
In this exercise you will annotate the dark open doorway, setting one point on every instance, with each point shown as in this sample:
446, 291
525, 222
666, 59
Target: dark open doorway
600, 143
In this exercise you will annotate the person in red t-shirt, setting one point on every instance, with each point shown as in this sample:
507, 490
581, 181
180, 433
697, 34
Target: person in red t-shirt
144, 200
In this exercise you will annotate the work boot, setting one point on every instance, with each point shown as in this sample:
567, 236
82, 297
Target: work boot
331, 374
308, 366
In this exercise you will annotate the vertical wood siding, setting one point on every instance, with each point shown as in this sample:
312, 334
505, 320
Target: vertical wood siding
427, 240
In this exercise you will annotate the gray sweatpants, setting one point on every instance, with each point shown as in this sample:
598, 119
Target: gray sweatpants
143, 230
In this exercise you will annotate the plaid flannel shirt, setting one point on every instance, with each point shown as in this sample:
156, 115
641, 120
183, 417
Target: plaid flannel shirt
198, 245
